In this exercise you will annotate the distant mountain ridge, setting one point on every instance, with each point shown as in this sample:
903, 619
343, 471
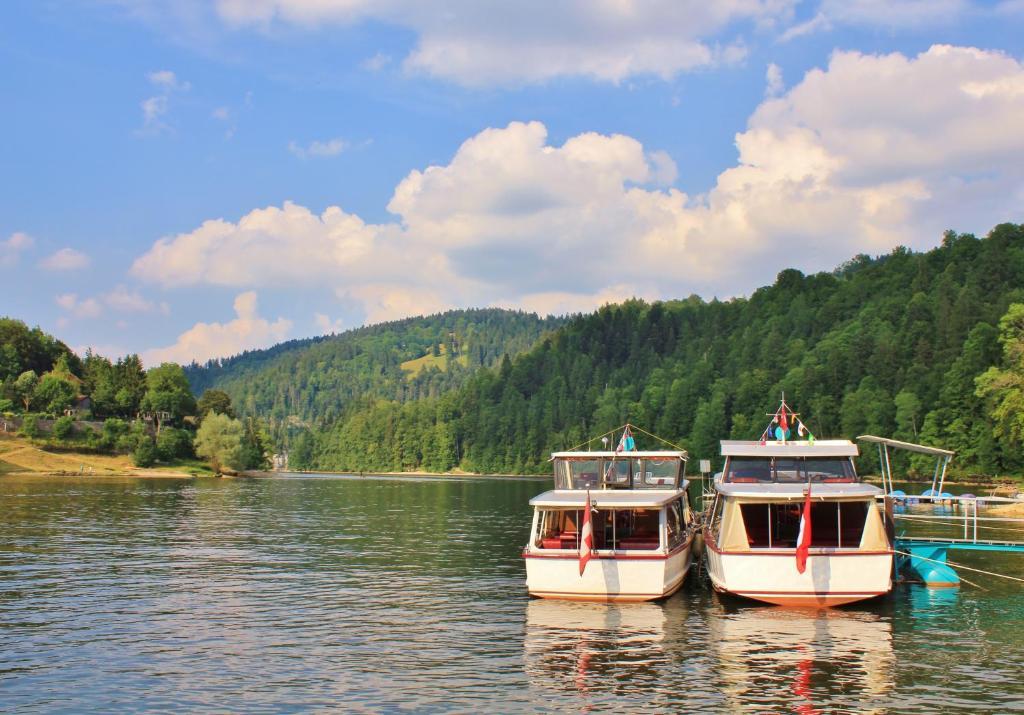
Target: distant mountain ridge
315, 381
893, 345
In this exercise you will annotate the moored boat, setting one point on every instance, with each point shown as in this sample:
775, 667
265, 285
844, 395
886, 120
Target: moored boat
792, 524
616, 527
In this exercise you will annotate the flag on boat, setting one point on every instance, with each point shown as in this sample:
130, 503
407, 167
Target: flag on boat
586, 536
803, 541
626, 442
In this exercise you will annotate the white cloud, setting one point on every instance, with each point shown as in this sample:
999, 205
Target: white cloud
318, 149
819, 22
168, 81
127, 301
840, 163
66, 259
12, 247
894, 13
88, 308
203, 341
773, 81
327, 326
891, 14
376, 63
222, 114
155, 108
474, 43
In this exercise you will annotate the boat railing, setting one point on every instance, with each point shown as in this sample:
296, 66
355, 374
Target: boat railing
962, 513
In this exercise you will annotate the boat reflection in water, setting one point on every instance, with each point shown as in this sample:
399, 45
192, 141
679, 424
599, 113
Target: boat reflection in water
770, 659
701, 652
596, 650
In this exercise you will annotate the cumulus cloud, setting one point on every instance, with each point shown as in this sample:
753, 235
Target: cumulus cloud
66, 259
87, 308
204, 341
475, 43
124, 300
327, 326
840, 163
318, 149
13, 246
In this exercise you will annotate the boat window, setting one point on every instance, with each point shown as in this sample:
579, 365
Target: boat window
749, 469
789, 469
557, 529
828, 470
676, 534
659, 473
584, 473
777, 525
616, 472
635, 529
563, 474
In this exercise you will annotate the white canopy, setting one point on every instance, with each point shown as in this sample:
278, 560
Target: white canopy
909, 446
645, 454
795, 490
608, 498
820, 448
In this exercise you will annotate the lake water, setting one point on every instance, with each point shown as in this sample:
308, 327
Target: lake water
376, 594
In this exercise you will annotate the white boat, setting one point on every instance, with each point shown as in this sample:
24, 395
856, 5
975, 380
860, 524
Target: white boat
752, 529
641, 521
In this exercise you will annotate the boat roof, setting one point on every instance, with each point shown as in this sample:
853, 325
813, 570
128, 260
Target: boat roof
608, 498
802, 448
909, 446
646, 453
795, 490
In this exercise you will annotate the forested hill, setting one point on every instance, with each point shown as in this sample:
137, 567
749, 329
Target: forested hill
320, 380
890, 345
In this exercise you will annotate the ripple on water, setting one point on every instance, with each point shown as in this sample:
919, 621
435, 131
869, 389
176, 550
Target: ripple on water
365, 594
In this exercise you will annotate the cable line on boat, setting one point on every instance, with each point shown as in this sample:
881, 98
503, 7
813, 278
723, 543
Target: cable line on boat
628, 425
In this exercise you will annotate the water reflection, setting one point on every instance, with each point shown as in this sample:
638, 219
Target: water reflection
812, 661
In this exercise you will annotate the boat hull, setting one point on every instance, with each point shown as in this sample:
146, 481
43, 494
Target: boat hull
833, 577
608, 577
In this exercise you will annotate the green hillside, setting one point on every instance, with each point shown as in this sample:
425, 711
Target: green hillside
891, 345
319, 381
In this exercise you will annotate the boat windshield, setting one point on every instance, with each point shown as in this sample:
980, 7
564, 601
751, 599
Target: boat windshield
790, 469
617, 473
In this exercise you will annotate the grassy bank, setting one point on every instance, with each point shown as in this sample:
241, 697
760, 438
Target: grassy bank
19, 455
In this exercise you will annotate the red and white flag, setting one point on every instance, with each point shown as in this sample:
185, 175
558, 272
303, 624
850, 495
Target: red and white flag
586, 536
803, 541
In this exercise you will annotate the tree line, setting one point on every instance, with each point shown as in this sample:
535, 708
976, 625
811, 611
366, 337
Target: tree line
925, 347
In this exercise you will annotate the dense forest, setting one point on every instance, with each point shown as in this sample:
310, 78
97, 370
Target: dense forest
314, 383
897, 345
927, 347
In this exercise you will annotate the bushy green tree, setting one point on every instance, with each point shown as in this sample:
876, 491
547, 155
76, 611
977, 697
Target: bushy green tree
145, 453
30, 425
168, 391
63, 428
25, 388
217, 401
54, 394
219, 440
1003, 387
173, 443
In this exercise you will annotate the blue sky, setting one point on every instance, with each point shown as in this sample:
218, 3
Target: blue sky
190, 179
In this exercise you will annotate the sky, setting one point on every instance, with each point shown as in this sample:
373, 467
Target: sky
188, 179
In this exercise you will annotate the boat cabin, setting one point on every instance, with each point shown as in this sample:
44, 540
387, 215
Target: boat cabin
638, 501
760, 494
621, 521
619, 470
